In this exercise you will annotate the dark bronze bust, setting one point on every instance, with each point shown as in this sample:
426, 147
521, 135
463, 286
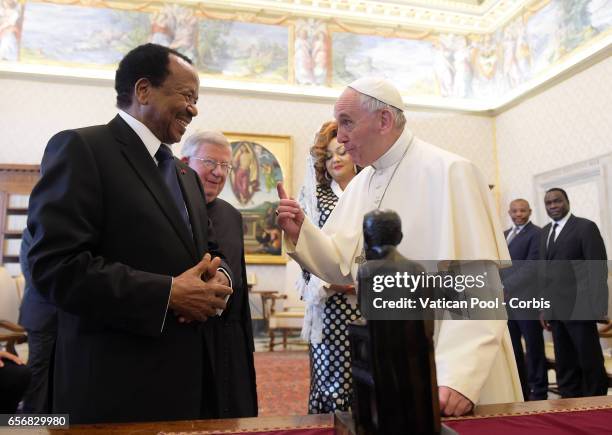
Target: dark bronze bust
394, 373
382, 232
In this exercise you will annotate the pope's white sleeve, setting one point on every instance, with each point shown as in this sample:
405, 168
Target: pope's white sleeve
465, 353
317, 252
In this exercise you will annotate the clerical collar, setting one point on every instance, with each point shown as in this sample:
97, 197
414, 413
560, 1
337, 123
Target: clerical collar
396, 152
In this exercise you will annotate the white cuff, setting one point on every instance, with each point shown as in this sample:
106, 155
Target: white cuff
224, 272
167, 305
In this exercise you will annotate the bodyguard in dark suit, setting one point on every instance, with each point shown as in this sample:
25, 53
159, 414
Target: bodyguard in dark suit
520, 281
210, 155
572, 283
119, 232
39, 317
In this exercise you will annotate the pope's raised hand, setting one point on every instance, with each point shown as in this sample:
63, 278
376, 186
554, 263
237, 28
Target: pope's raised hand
290, 214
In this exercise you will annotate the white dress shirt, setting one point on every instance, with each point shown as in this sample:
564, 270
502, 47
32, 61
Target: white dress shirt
150, 141
560, 224
516, 229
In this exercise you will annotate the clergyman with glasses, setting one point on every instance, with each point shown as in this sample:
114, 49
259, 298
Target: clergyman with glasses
210, 154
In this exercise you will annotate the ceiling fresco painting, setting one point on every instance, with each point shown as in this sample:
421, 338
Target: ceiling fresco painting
300, 51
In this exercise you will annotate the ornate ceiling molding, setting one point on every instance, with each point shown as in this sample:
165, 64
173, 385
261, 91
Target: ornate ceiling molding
436, 15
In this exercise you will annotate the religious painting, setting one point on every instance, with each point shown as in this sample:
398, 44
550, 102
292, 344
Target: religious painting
544, 34
311, 52
176, 27
299, 53
515, 63
11, 17
244, 50
259, 163
408, 63
67, 34
600, 13
485, 63
453, 70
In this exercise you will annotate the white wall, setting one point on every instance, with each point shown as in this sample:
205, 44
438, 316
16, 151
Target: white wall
565, 125
568, 123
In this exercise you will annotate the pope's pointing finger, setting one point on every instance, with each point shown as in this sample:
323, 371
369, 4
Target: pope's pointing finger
281, 191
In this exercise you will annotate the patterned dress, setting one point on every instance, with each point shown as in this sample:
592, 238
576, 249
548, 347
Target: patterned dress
330, 361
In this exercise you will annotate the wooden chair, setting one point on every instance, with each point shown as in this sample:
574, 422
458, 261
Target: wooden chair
605, 332
289, 319
16, 182
10, 332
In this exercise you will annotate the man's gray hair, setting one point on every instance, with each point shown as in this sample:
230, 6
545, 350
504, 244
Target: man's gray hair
194, 141
371, 104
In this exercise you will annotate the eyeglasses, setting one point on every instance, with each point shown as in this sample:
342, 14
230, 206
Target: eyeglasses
212, 164
340, 151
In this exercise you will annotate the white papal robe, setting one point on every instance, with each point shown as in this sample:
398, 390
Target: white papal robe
447, 213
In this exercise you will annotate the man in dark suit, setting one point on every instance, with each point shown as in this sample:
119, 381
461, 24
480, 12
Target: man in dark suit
577, 289
119, 232
39, 317
210, 155
520, 281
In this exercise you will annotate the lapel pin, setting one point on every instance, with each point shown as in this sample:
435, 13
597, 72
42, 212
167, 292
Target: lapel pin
183, 172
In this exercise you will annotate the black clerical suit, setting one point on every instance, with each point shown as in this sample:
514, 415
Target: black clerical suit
232, 332
521, 281
107, 238
578, 357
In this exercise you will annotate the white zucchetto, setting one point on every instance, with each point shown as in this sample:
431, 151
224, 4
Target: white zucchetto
379, 88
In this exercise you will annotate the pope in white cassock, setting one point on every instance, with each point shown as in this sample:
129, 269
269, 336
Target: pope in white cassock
447, 213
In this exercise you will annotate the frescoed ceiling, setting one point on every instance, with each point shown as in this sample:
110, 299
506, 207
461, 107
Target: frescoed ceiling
467, 55
442, 15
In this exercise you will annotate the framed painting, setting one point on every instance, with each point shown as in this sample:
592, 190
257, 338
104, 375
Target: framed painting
259, 163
